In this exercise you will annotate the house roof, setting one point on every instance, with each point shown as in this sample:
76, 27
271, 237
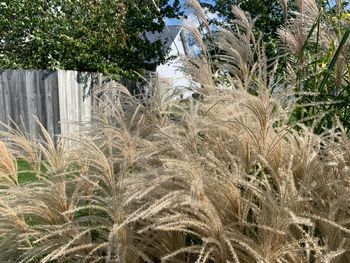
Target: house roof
167, 36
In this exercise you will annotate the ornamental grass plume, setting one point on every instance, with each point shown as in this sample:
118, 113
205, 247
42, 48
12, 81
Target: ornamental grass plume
223, 178
8, 168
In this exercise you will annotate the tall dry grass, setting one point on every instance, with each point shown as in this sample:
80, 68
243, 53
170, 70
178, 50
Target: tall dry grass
225, 178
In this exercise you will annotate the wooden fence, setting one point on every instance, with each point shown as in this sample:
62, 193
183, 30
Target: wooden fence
56, 97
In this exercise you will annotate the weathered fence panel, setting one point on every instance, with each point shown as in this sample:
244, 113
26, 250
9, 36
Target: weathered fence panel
75, 105
55, 97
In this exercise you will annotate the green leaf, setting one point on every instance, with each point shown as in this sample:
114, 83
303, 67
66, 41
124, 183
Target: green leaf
334, 60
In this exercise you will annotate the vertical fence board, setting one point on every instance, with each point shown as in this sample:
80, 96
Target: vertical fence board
56, 105
12, 94
76, 101
7, 97
63, 101
42, 104
23, 102
30, 85
36, 96
2, 103
70, 101
48, 86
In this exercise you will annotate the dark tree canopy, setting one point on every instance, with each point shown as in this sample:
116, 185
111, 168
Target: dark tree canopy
85, 35
268, 15
268, 12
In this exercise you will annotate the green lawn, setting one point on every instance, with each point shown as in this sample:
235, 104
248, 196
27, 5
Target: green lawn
25, 172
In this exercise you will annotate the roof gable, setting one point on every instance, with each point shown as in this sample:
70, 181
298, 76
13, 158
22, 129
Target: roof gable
167, 35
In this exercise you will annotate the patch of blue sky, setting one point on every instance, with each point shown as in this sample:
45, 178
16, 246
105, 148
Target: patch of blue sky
332, 3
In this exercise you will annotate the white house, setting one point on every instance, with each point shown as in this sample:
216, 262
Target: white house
171, 77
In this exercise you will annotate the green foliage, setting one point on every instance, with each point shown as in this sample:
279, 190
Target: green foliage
85, 35
322, 63
268, 15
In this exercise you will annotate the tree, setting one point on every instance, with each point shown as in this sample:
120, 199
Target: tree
268, 12
86, 35
268, 15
